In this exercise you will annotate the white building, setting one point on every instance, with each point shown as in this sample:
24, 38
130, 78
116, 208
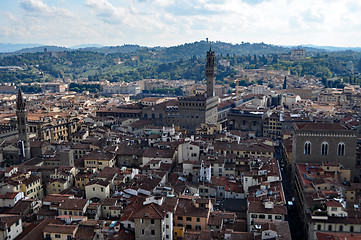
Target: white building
11, 226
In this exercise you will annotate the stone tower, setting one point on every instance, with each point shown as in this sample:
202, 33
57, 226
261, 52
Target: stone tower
67, 158
211, 71
23, 128
201, 108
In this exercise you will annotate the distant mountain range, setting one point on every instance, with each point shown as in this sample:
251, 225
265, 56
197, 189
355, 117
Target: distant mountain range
221, 47
331, 48
10, 47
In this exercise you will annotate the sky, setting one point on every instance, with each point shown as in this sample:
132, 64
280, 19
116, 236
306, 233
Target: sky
173, 22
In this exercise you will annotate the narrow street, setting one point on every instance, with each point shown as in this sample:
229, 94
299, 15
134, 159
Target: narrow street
293, 218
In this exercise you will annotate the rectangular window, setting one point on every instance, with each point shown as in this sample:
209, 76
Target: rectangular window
189, 219
152, 232
57, 236
180, 218
198, 219
152, 221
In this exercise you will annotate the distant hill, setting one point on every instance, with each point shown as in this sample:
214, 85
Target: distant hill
114, 49
87, 46
10, 47
333, 49
174, 53
221, 48
41, 49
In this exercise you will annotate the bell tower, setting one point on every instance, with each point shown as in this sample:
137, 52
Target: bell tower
23, 128
211, 71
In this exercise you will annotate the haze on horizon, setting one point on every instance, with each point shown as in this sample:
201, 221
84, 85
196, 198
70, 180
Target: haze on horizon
173, 22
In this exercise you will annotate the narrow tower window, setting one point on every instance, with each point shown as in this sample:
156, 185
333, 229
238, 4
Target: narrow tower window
324, 148
307, 149
341, 149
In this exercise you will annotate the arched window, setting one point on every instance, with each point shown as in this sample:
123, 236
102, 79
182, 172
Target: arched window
324, 148
340, 228
341, 149
329, 228
307, 149
351, 229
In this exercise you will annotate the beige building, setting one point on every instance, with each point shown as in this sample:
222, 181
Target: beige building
99, 160
192, 213
83, 177
61, 232
74, 206
150, 223
97, 189
57, 185
32, 187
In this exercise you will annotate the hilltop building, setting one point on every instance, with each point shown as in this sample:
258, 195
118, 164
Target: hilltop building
298, 53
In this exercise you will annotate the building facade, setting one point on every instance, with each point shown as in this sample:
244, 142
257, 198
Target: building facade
201, 108
325, 142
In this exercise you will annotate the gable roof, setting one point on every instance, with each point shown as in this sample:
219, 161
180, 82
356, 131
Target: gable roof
151, 211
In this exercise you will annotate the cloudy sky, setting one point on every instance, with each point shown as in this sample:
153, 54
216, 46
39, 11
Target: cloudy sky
173, 22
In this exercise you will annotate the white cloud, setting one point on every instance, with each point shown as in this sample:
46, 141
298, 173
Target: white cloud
39, 8
171, 22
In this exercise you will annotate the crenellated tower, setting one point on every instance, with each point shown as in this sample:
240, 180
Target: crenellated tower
211, 72
23, 128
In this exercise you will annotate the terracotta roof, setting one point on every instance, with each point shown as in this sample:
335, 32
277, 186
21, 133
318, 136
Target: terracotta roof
73, 204
258, 207
98, 155
151, 211
100, 182
57, 198
337, 236
158, 153
186, 208
9, 219
319, 126
35, 230
10, 195
62, 229
333, 203
85, 233
21, 207
30, 179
